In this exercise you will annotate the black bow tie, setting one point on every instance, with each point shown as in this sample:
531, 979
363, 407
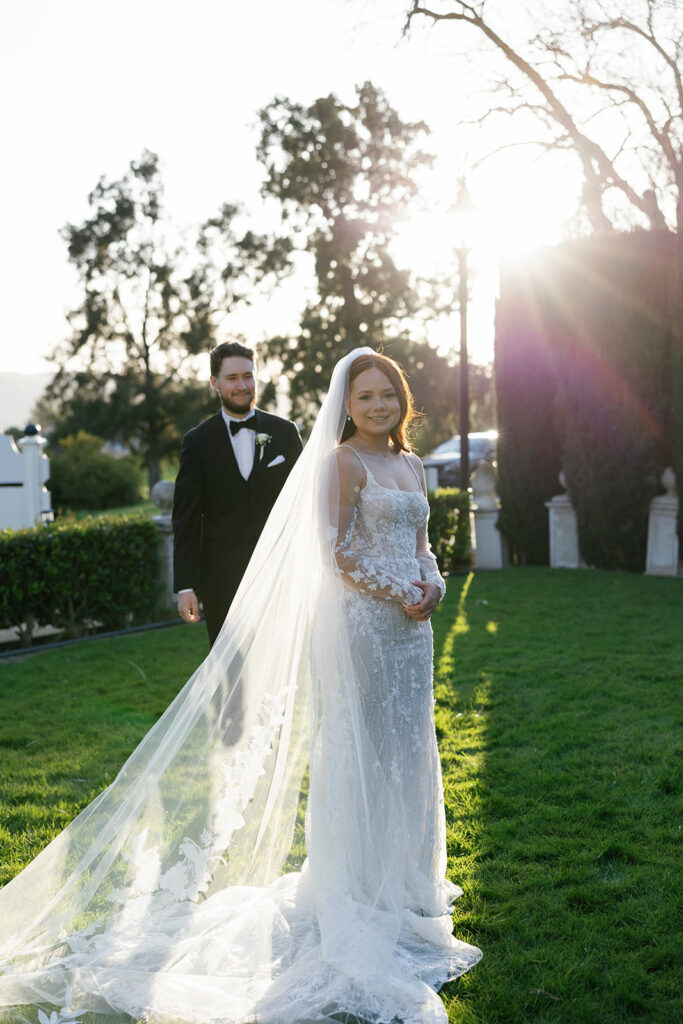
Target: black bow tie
237, 425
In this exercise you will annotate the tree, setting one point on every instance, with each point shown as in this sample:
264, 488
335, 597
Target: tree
82, 475
344, 175
109, 405
149, 304
605, 82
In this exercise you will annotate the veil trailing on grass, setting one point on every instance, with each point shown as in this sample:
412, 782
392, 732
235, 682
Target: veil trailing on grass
174, 895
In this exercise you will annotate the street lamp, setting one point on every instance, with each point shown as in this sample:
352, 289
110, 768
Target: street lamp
462, 211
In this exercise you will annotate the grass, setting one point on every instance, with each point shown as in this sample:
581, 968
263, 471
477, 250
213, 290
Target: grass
558, 702
68, 720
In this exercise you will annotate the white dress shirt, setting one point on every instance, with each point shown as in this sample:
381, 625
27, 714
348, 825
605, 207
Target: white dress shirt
243, 444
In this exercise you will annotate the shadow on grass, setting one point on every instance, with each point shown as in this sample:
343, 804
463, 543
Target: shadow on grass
556, 717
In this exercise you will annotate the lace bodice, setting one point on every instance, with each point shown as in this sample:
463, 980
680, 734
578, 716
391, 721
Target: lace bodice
382, 544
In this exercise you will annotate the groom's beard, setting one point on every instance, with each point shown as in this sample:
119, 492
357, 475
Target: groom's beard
240, 406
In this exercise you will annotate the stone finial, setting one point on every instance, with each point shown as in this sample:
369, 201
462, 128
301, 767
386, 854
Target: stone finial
562, 527
662, 530
162, 495
487, 539
668, 482
484, 486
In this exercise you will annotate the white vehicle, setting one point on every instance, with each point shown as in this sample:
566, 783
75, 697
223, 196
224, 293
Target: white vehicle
444, 461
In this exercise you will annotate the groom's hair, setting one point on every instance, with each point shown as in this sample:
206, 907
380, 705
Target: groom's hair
224, 351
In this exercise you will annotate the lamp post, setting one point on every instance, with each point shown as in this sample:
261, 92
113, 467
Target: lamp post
463, 215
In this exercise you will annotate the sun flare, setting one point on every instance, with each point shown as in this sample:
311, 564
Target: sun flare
515, 208
518, 205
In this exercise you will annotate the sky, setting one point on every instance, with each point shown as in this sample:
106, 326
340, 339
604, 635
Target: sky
86, 85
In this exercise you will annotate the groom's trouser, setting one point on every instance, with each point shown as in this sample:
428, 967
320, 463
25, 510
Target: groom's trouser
214, 614
220, 579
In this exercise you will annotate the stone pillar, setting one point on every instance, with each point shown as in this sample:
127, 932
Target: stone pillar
36, 471
487, 541
162, 496
662, 530
564, 534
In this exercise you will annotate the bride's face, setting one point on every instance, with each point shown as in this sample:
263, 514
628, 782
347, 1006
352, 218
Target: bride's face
373, 403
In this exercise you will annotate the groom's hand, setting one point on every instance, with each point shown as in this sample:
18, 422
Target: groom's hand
188, 606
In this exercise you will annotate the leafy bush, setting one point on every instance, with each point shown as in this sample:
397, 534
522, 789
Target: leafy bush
529, 442
675, 372
449, 528
71, 575
588, 373
83, 476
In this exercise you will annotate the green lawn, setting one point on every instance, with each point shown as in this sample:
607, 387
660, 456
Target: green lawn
559, 697
558, 701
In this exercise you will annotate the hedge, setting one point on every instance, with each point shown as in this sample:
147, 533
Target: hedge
588, 372
449, 528
83, 476
73, 575
529, 444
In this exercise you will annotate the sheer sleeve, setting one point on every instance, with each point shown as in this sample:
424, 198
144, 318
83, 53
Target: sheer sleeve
358, 569
429, 569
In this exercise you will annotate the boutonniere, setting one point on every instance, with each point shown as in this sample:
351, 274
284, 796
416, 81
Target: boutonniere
262, 440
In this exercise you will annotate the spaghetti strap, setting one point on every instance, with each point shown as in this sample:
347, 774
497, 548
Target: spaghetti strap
368, 471
370, 475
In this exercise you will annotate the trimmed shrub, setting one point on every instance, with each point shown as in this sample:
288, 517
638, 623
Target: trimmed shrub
83, 476
529, 444
449, 528
614, 393
71, 575
589, 376
675, 317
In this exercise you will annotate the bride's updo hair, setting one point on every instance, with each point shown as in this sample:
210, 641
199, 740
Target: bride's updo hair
395, 375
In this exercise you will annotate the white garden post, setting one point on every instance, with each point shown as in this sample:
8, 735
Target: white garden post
24, 499
162, 496
564, 534
487, 541
662, 530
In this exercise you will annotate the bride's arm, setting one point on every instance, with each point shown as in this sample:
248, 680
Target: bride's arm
429, 569
358, 570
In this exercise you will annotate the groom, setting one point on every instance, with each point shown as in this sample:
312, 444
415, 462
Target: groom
232, 468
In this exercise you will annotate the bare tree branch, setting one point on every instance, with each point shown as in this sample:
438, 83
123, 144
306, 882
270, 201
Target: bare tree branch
660, 136
600, 169
629, 26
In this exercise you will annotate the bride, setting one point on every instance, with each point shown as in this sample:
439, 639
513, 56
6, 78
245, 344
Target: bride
176, 896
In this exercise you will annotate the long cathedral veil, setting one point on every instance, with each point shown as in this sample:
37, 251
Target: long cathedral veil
171, 894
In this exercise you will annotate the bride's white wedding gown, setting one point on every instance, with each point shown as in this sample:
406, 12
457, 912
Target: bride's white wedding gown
166, 898
389, 861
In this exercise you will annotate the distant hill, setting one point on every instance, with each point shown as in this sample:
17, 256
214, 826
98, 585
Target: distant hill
19, 392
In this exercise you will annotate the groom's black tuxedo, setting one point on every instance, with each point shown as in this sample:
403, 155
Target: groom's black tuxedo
218, 515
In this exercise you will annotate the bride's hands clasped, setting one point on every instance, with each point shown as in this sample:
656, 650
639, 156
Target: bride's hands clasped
422, 611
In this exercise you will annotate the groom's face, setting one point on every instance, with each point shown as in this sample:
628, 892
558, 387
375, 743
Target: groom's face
235, 385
